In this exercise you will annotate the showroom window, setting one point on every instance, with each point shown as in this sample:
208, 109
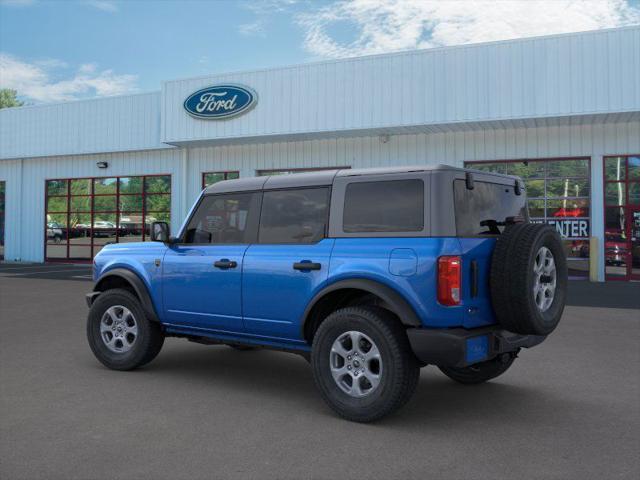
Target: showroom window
559, 194
209, 178
2, 210
264, 173
84, 214
622, 217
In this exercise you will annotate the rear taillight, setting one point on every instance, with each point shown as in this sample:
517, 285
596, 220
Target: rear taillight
449, 280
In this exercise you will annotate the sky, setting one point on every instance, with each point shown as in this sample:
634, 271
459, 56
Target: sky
52, 51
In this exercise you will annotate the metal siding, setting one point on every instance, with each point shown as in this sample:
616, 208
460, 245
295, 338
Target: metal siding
25, 199
90, 126
557, 76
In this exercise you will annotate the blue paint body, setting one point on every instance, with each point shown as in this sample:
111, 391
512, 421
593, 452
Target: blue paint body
263, 299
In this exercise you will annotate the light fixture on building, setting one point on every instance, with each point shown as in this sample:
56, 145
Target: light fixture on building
102, 164
384, 138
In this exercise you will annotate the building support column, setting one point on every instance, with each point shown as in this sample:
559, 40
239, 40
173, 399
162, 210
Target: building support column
597, 215
183, 210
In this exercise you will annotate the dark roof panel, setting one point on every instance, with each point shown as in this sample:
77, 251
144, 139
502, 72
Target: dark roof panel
239, 185
307, 179
326, 177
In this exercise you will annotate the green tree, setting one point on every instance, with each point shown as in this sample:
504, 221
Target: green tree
8, 98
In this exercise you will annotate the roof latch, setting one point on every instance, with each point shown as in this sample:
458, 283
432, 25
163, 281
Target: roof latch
468, 180
517, 188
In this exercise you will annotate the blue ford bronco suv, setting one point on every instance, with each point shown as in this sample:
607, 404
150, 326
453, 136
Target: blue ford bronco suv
370, 274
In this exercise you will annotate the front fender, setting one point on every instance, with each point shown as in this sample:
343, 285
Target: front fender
141, 289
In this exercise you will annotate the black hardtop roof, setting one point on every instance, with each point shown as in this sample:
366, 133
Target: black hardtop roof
325, 177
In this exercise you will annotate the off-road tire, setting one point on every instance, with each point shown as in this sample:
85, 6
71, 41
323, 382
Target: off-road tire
512, 279
149, 339
400, 373
480, 372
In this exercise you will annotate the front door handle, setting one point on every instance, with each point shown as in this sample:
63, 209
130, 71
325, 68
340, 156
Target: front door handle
225, 263
306, 265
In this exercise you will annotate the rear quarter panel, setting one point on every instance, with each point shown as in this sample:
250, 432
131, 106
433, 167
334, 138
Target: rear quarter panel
376, 258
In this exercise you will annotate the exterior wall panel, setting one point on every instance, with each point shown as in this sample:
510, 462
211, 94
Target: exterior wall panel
25, 179
548, 77
25, 199
90, 126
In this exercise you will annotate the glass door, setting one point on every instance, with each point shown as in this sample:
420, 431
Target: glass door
2, 189
622, 217
634, 243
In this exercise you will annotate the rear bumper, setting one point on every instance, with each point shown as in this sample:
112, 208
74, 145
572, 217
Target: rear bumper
459, 347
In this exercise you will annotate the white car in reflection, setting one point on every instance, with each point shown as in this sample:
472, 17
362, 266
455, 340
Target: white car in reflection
54, 232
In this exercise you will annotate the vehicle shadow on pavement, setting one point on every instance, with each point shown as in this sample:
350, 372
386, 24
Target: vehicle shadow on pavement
438, 402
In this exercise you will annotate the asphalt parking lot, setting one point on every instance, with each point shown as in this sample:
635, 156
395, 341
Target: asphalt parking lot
569, 408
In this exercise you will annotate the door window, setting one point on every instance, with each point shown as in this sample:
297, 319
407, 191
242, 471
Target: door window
294, 216
225, 219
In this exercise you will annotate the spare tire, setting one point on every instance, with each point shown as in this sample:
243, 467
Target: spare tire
528, 279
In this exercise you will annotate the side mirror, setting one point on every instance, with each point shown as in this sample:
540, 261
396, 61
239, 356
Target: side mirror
160, 232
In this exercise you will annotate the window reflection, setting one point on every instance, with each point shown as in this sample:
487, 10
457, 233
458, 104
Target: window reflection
85, 214
559, 193
209, 178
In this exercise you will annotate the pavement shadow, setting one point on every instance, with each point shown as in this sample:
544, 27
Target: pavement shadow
438, 402
604, 294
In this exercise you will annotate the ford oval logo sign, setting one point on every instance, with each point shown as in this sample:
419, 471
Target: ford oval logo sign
220, 101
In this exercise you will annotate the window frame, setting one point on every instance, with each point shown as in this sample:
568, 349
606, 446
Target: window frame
546, 178
325, 233
3, 216
93, 246
626, 207
226, 174
182, 236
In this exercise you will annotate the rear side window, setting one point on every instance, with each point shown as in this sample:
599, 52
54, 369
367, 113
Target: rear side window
385, 206
230, 218
483, 210
294, 216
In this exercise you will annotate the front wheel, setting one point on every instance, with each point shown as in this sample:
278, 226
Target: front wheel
119, 332
480, 372
363, 364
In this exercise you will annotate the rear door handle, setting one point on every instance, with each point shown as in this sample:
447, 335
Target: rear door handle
225, 263
306, 265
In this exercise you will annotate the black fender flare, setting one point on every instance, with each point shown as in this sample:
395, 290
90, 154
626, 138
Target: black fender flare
396, 302
138, 286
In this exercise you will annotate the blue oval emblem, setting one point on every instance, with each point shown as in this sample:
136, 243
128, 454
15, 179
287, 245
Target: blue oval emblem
220, 101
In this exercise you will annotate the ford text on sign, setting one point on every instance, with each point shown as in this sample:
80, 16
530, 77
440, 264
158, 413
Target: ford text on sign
220, 101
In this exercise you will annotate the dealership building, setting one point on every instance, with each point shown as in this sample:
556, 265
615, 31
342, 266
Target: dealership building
561, 111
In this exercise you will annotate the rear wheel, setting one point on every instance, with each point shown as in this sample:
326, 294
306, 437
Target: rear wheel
119, 332
363, 364
480, 372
